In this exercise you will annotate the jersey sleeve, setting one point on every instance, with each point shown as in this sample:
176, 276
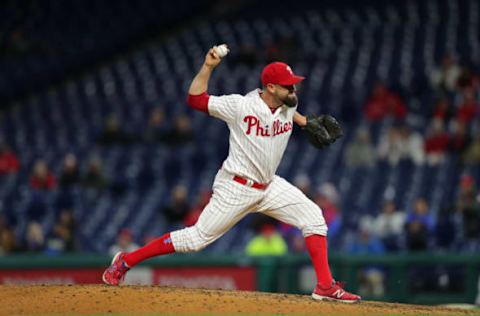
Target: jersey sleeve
224, 107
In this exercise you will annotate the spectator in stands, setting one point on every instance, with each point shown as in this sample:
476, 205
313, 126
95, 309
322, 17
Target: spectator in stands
413, 143
181, 133
327, 198
468, 206
442, 109
156, 130
436, 143
176, 211
472, 152
93, 180
124, 242
469, 107
69, 175
360, 153
267, 242
371, 278
8, 160
389, 226
365, 243
390, 146
419, 225
68, 179
63, 235
42, 178
34, 237
384, 103
401, 143
113, 134
8, 241
459, 139
445, 77
94, 177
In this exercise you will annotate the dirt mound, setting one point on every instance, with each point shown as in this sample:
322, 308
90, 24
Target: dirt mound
138, 300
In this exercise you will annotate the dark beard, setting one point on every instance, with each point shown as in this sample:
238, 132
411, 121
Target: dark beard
290, 101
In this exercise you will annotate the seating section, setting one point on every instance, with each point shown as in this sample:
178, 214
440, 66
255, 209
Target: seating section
43, 42
341, 50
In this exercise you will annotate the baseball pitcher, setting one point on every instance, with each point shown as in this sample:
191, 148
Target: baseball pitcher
260, 125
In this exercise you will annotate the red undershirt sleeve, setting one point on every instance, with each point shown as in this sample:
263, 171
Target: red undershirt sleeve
199, 102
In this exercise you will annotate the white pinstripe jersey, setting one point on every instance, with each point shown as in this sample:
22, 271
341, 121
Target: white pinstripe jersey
258, 137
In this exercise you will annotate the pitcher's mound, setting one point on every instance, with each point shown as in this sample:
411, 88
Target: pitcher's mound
154, 300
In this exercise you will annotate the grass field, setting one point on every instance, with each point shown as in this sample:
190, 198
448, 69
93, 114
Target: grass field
154, 300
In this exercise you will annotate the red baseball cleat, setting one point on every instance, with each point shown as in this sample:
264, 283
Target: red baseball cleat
115, 273
335, 293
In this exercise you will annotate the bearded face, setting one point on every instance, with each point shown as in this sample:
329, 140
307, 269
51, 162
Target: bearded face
290, 100
287, 95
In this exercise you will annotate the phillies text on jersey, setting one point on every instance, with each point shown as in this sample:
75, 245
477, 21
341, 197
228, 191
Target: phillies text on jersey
258, 136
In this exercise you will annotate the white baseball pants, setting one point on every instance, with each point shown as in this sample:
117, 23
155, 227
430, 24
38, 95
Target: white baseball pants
231, 201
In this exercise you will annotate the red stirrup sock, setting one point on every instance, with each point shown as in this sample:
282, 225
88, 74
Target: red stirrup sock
317, 248
157, 247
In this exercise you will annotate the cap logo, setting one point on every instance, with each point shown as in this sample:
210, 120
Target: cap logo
290, 70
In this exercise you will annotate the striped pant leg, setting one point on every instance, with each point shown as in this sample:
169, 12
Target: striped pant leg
286, 203
230, 202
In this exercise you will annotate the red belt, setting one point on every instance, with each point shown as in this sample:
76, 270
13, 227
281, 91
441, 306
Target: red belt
250, 183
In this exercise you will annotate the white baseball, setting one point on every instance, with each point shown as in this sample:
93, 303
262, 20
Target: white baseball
221, 50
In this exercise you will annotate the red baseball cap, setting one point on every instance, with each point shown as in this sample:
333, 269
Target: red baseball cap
279, 73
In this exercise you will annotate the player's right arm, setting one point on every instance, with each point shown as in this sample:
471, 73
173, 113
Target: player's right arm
197, 93
199, 84
223, 107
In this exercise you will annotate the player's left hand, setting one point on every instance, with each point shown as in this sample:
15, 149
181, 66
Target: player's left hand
322, 131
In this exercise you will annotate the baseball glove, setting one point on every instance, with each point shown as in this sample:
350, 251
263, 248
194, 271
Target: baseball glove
322, 130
